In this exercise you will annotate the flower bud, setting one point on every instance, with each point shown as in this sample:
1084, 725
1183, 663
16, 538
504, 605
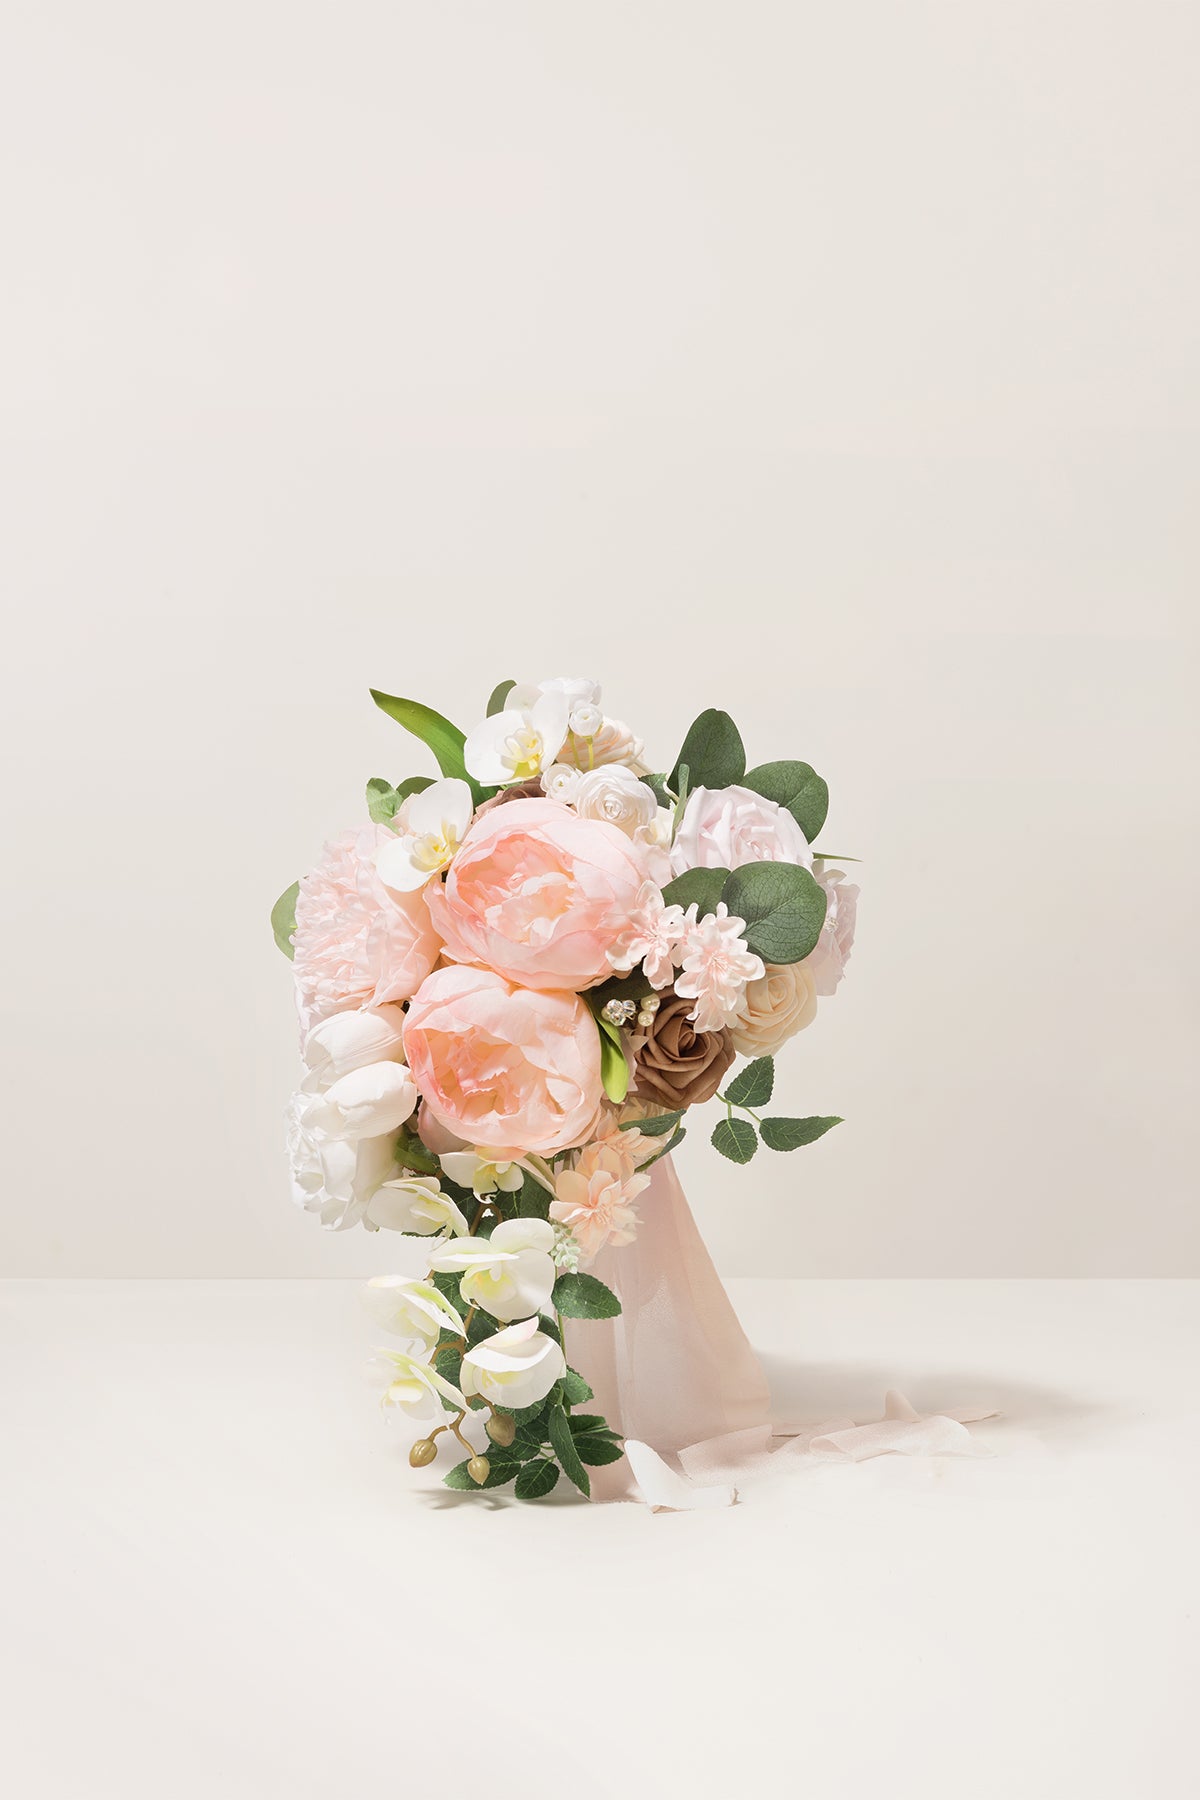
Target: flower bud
479, 1468
502, 1429
422, 1453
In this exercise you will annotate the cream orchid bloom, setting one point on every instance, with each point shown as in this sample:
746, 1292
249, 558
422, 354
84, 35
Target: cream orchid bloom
510, 1275
515, 1368
414, 1387
417, 1204
482, 1174
518, 743
411, 1309
436, 822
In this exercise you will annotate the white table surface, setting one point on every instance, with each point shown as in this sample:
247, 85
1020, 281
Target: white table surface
221, 1578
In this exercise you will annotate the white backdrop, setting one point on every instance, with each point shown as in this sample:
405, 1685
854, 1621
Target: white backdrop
837, 366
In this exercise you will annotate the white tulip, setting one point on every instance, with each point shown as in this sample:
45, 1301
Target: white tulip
518, 743
348, 1040
415, 1387
435, 823
368, 1102
414, 1203
335, 1177
515, 1368
476, 1170
510, 1275
411, 1309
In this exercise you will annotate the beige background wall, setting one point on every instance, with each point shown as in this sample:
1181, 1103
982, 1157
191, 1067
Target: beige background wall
834, 364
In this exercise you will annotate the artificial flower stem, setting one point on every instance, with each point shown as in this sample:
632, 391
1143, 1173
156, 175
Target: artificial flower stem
533, 1165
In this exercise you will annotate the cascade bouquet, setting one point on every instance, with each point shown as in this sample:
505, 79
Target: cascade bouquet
513, 984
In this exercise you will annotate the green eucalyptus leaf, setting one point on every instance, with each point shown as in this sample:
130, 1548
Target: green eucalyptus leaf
736, 1139
500, 694
798, 787
790, 1134
578, 1296
753, 1085
563, 1445
713, 751
536, 1480
658, 787
704, 886
784, 909
444, 739
283, 919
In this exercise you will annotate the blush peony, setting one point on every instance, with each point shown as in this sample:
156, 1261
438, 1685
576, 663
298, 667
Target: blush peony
539, 895
356, 944
828, 960
722, 828
504, 1067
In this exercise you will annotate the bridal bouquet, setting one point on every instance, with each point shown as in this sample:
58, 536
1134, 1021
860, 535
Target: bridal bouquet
514, 983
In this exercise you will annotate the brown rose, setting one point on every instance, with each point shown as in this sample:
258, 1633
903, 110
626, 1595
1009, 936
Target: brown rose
677, 1065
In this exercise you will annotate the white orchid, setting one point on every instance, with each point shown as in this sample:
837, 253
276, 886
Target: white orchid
436, 822
520, 742
515, 1368
414, 1387
481, 1173
367, 1102
510, 1275
411, 1309
417, 1204
576, 690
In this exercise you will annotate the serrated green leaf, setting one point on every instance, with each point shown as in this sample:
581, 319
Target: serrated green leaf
528, 1416
704, 886
713, 751
736, 1139
581, 1422
614, 1067
575, 1388
502, 1470
563, 1445
533, 1202
596, 1451
656, 1126
500, 694
784, 909
753, 1085
790, 1134
666, 1149
581, 1296
412, 1154
536, 1480
444, 739
283, 919
798, 787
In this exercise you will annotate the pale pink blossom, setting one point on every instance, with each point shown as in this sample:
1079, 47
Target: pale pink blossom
595, 1200
722, 828
356, 944
827, 961
504, 1068
539, 895
715, 967
651, 937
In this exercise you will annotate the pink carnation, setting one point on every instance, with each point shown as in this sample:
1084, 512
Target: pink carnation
539, 894
356, 943
503, 1067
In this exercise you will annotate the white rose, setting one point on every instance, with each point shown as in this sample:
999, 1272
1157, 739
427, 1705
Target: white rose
561, 782
367, 1103
510, 1274
414, 1203
615, 795
349, 1040
411, 1309
335, 1177
722, 828
515, 1368
774, 1008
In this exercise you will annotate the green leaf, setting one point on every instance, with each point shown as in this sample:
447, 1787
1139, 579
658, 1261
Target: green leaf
597, 1451
614, 1068
444, 739
654, 1127
533, 1202
784, 909
550, 1326
736, 1139
536, 1480
500, 694
412, 1154
283, 919
666, 1149
658, 787
563, 1445
528, 1417
704, 886
583, 1297
796, 786
575, 1388
502, 1469
382, 800
581, 1422
754, 1084
789, 1134
713, 752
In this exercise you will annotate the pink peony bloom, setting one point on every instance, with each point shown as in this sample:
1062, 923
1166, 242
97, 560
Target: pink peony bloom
722, 828
503, 1067
539, 895
357, 944
595, 1199
827, 962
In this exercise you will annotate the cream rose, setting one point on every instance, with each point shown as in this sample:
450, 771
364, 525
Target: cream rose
774, 1008
616, 795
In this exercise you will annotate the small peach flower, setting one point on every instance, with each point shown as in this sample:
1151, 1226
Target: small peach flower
595, 1199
